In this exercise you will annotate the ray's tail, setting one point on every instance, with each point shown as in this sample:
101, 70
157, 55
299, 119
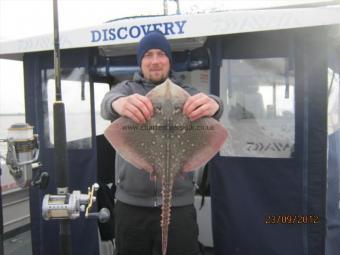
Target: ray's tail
166, 212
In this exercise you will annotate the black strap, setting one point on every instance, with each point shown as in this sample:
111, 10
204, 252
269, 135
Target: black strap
204, 185
105, 198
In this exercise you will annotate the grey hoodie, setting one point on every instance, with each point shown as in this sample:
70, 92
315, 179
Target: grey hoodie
134, 185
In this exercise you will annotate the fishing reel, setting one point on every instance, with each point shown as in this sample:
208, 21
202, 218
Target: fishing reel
69, 206
22, 156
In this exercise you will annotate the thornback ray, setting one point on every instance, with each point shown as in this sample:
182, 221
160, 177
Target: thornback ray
167, 145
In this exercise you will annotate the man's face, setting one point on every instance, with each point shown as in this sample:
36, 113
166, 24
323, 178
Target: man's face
155, 66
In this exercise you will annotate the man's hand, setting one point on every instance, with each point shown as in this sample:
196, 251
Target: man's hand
200, 105
136, 107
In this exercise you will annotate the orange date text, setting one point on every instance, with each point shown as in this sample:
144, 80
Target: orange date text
292, 219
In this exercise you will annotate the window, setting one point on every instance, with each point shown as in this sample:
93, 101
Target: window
333, 101
76, 97
100, 89
258, 97
197, 78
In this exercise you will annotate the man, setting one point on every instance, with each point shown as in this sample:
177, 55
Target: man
137, 210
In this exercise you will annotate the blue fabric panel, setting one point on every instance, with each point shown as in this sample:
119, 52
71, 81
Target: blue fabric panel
333, 195
244, 196
245, 191
82, 168
84, 233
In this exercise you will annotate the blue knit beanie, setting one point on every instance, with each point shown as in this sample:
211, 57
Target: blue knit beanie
153, 40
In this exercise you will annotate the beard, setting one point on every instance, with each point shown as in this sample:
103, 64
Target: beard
156, 80
159, 81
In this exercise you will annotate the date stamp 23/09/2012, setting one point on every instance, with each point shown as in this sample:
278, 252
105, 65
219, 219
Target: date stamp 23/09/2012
292, 219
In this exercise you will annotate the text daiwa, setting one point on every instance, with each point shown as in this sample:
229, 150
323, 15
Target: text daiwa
125, 32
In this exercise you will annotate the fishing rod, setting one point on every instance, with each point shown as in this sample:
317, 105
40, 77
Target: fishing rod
60, 144
66, 206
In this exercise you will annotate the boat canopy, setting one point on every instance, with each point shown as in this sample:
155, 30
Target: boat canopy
182, 30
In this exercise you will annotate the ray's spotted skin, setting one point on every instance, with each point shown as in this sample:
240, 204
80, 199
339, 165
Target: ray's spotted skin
169, 144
